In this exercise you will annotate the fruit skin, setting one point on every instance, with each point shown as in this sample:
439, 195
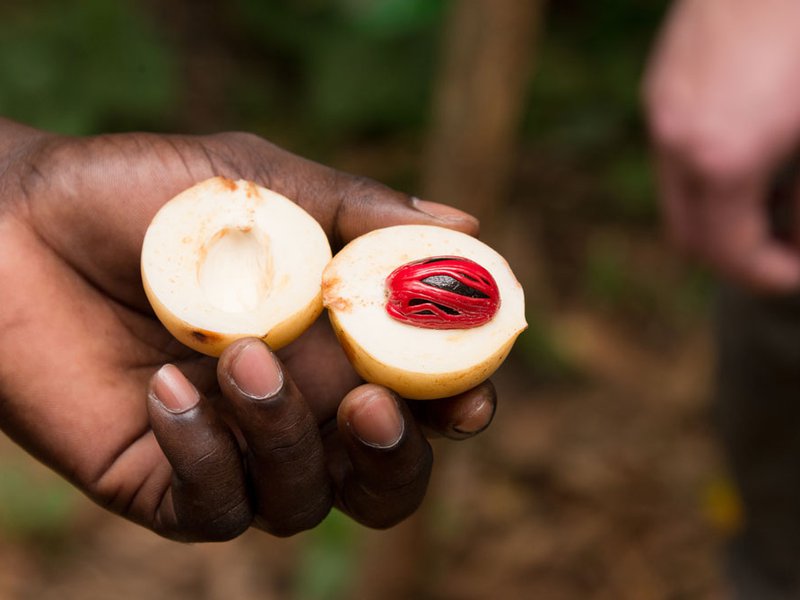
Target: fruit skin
414, 385
212, 343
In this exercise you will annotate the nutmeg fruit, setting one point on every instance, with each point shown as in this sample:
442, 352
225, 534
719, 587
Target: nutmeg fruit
229, 259
426, 311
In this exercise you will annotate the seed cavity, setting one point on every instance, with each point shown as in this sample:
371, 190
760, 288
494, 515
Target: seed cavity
235, 270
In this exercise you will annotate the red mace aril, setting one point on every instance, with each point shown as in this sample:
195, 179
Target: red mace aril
442, 292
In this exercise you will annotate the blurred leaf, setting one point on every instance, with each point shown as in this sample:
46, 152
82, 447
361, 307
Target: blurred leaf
84, 67
329, 559
356, 86
584, 99
362, 66
722, 505
539, 348
607, 277
392, 18
617, 279
694, 296
630, 187
34, 507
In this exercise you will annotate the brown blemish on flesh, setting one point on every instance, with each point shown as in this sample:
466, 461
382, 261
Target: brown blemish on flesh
328, 283
330, 297
340, 304
206, 337
228, 183
252, 190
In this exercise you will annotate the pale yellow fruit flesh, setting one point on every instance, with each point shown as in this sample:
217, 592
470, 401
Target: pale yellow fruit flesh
415, 362
229, 259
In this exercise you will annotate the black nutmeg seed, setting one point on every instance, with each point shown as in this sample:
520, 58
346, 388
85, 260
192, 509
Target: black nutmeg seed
445, 282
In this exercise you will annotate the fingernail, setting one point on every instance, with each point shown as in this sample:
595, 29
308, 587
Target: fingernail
256, 373
378, 422
173, 390
477, 420
442, 211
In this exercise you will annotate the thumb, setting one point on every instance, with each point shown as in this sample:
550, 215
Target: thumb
365, 205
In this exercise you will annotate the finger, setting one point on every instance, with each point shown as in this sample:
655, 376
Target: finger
284, 452
458, 417
390, 459
726, 224
739, 241
207, 500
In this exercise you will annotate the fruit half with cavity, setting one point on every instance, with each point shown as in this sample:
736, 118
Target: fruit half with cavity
426, 311
229, 259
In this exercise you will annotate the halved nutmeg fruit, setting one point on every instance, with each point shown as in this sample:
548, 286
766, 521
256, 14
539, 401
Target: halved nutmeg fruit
229, 259
426, 311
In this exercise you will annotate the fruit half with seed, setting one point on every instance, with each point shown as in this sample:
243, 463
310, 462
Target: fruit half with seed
229, 259
426, 311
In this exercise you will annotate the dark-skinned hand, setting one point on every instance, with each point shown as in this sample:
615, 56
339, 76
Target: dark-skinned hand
194, 448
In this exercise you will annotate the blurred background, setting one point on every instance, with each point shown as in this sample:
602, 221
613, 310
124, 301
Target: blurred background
600, 477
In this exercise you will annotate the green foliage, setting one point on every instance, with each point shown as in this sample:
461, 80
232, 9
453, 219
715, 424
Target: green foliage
383, 19
614, 281
34, 508
539, 349
360, 66
86, 66
584, 103
609, 280
329, 560
629, 187
589, 65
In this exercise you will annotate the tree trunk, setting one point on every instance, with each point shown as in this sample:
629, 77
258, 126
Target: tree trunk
486, 65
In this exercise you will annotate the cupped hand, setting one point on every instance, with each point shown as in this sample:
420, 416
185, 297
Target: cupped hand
191, 447
721, 94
